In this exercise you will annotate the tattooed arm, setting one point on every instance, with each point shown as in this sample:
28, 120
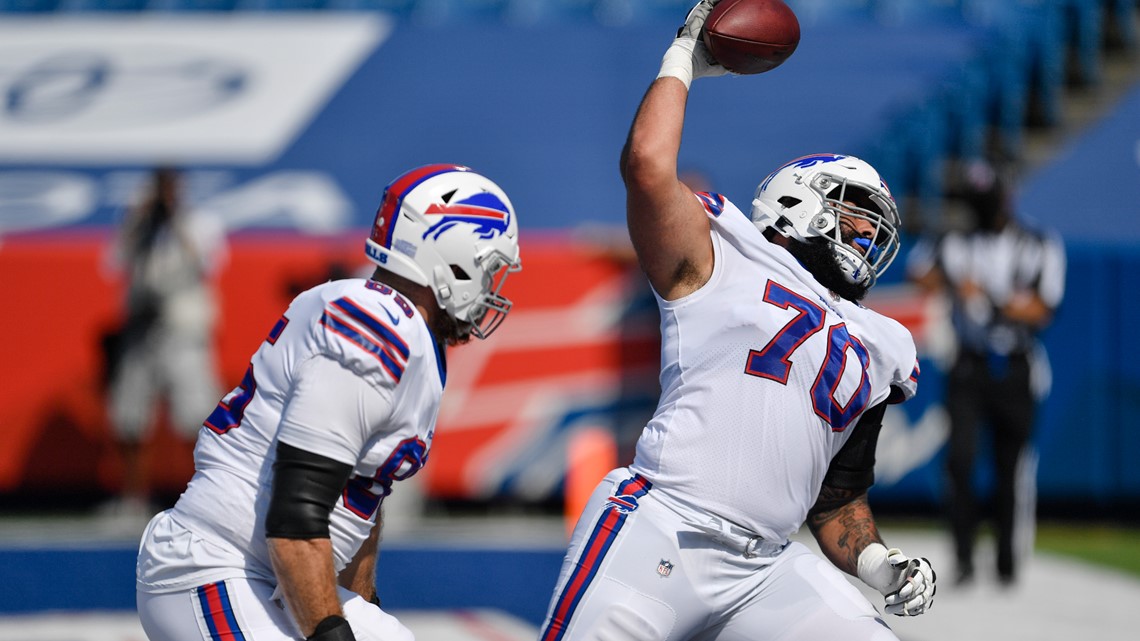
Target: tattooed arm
841, 519
842, 523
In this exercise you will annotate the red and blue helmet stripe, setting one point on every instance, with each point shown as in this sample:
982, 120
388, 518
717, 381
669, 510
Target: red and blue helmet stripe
394, 195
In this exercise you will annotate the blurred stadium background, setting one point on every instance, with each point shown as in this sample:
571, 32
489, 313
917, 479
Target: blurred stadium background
288, 117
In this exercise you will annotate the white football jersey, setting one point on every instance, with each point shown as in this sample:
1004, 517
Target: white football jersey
764, 375
350, 372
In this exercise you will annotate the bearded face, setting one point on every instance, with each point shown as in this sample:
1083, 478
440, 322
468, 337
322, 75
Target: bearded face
451, 331
818, 257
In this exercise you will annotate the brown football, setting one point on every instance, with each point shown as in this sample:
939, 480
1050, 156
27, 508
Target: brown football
751, 36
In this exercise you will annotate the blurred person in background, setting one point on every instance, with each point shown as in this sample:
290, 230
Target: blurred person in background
164, 349
1004, 279
774, 384
276, 536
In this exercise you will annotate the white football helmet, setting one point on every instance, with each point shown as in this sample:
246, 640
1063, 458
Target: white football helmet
805, 198
453, 230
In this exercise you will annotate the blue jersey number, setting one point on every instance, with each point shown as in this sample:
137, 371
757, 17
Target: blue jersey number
230, 410
227, 415
774, 362
363, 494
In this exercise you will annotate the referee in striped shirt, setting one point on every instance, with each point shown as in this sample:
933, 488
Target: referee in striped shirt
1004, 280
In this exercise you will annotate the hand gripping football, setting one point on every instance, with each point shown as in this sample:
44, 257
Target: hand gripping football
751, 36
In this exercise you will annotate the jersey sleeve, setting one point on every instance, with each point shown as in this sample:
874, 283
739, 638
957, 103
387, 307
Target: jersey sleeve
713, 203
332, 411
905, 388
363, 331
900, 351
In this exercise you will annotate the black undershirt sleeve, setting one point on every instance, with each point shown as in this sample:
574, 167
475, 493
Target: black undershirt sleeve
306, 486
853, 468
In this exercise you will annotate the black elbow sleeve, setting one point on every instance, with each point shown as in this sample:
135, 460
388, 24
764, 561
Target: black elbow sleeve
853, 468
306, 486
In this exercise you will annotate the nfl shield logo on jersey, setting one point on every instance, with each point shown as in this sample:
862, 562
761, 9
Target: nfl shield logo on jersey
664, 568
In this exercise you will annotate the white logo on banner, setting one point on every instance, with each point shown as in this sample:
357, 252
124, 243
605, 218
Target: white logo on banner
41, 199
308, 201
231, 89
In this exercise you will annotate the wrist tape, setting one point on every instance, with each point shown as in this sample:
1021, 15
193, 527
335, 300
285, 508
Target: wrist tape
678, 61
874, 569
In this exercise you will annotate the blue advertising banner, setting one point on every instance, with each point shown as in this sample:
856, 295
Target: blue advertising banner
298, 121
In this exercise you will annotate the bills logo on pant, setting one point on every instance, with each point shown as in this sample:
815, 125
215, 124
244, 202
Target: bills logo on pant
623, 504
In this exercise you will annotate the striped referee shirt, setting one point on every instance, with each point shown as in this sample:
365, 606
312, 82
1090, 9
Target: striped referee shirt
1015, 260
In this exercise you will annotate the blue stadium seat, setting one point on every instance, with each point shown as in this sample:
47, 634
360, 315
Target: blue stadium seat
1086, 27
565, 11
967, 99
911, 156
1025, 56
28, 6
191, 5
1121, 13
919, 11
428, 11
831, 11
399, 8
927, 129
1008, 78
667, 10
609, 12
117, 6
280, 5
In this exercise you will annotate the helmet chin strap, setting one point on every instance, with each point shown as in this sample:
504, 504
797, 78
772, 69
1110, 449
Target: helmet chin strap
442, 290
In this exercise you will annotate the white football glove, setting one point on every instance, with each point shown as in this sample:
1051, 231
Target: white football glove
688, 58
908, 584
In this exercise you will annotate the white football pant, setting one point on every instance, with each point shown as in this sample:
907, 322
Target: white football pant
242, 610
640, 569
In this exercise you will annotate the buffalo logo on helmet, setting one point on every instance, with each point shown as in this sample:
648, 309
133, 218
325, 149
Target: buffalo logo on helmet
804, 162
485, 211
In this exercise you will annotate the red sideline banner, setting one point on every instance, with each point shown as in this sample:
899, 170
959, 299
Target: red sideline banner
564, 347
578, 351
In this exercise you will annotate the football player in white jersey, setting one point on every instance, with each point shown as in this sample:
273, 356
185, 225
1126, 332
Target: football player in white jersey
275, 537
774, 383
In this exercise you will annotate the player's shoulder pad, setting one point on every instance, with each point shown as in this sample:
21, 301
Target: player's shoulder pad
371, 329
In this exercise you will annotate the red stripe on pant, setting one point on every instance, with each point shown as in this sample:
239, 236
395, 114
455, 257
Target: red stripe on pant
579, 580
217, 614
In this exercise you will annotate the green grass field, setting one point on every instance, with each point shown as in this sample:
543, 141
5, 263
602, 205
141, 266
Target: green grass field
1112, 546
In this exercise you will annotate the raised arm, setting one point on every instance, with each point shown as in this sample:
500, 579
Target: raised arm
667, 224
